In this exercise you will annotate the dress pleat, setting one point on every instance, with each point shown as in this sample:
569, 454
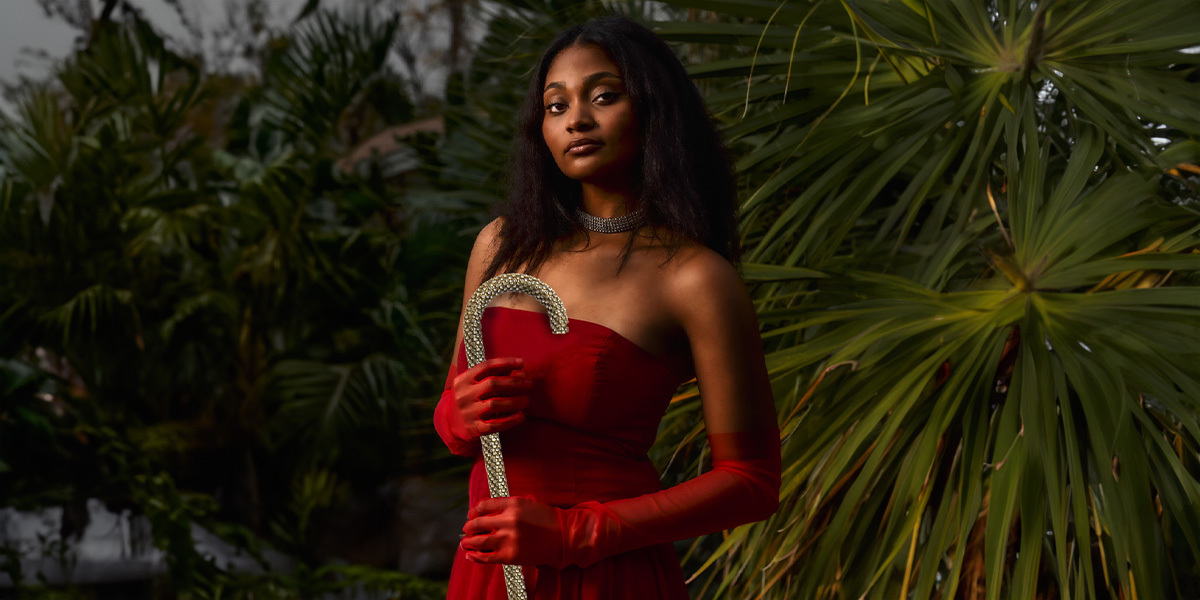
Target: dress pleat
593, 414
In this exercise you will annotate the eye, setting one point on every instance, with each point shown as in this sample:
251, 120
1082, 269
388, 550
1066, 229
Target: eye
607, 97
556, 108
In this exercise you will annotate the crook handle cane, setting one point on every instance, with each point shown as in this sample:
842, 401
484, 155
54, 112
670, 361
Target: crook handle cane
493, 460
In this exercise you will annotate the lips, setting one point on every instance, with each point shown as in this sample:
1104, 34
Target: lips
583, 146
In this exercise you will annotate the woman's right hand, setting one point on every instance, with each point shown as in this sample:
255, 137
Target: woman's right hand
487, 398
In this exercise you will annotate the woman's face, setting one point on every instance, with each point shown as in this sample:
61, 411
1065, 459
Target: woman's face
587, 120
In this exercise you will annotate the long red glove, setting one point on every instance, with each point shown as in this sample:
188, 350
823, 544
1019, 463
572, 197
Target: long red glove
483, 399
742, 487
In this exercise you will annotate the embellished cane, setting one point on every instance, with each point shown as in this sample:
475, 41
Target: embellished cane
493, 460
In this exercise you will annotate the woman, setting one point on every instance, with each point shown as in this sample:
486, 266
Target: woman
622, 200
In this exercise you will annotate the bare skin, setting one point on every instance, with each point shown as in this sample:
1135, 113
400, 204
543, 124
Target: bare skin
585, 101
694, 307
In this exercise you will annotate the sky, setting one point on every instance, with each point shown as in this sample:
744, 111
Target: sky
24, 25
31, 43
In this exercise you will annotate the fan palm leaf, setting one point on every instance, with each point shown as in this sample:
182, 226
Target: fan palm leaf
324, 70
980, 392
972, 241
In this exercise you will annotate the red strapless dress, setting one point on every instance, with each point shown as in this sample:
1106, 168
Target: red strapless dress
593, 415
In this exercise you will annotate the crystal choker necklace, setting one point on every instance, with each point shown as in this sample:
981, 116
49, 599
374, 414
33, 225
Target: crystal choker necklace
626, 222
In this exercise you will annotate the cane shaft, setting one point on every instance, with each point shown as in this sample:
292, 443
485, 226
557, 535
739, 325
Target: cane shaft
493, 459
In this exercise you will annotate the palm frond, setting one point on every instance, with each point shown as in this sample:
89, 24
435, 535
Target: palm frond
967, 264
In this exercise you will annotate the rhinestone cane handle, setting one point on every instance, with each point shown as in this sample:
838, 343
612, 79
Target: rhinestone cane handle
493, 460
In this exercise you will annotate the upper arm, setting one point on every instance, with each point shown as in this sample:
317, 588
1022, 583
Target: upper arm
715, 311
481, 256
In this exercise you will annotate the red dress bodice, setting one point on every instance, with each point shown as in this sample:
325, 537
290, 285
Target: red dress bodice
593, 414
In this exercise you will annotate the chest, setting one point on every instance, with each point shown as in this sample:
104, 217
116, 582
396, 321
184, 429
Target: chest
630, 302
589, 378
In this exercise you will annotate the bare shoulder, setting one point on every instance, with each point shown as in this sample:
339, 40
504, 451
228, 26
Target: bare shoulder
715, 311
699, 274
486, 245
488, 238
487, 242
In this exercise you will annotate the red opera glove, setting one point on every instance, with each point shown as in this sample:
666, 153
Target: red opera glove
483, 399
513, 531
742, 487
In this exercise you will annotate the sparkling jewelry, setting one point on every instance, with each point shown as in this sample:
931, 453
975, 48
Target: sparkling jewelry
625, 222
493, 460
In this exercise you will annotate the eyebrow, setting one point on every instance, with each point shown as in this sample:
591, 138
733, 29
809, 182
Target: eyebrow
590, 79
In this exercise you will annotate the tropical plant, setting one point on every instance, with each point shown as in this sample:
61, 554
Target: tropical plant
972, 242
199, 301
988, 386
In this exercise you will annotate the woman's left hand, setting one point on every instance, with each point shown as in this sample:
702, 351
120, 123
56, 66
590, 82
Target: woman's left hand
513, 531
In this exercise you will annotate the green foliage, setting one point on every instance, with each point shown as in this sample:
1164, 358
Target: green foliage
329, 581
198, 296
971, 235
327, 67
972, 243
998, 357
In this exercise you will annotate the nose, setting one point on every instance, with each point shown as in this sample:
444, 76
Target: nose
581, 119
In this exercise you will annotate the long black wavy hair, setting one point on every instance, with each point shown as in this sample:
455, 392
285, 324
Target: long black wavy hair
685, 178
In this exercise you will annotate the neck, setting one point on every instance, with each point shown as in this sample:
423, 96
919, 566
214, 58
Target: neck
605, 201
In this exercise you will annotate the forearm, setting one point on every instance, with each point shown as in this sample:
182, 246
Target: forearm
742, 487
455, 438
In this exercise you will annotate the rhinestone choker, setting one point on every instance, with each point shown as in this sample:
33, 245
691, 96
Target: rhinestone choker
626, 222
